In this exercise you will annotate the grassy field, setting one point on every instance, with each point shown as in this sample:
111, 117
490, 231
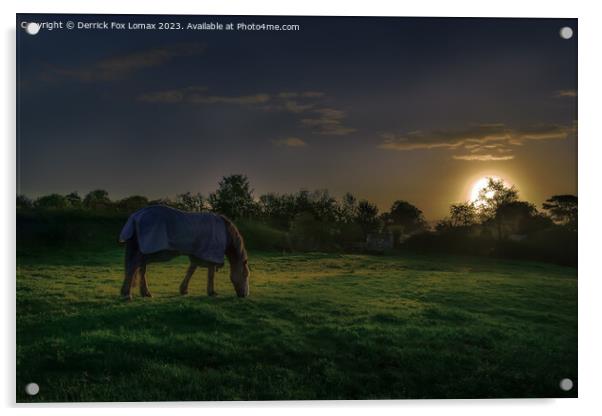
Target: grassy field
316, 326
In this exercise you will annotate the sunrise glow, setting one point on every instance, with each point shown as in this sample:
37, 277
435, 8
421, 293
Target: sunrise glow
479, 185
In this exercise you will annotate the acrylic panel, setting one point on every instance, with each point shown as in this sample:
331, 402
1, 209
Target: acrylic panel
295, 208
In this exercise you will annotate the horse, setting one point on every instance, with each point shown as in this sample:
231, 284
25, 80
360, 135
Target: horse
159, 233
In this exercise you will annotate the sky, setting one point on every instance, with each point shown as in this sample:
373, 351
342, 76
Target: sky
417, 109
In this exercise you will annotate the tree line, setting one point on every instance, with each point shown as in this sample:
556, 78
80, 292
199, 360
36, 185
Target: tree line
322, 220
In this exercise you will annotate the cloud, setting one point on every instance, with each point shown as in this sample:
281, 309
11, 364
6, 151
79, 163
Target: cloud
296, 107
198, 95
288, 101
169, 96
322, 120
565, 93
295, 102
289, 142
303, 94
328, 121
122, 66
483, 157
478, 142
238, 100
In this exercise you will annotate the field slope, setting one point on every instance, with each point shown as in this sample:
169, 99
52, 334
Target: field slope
316, 326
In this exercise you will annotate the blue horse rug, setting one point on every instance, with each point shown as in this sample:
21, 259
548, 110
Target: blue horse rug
158, 228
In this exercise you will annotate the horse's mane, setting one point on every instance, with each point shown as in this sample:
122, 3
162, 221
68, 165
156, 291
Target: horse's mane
236, 245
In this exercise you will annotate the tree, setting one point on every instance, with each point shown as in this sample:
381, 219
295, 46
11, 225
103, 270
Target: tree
563, 210
97, 199
234, 197
163, 201
444, 225
367, 217
493, 196
513, 216
462, 214
403, 219
74, 200
52, 201
348, 208
278, 209
132, 203
324, 206
303, 201
407, 216
23, 202
191, 202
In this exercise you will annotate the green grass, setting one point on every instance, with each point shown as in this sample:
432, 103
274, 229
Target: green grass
316, 326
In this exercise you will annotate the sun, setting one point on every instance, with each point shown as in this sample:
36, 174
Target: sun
479, 185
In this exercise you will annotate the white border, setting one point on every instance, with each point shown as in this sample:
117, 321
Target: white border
590, 175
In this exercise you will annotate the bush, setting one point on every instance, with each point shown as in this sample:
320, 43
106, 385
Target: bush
451, 242
555, 244
309, 234
260, 236
49, 229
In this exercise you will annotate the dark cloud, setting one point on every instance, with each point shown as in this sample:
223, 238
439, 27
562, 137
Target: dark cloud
565, 93
322, 120
122, 66
328, 121
289, 142
199, 95
479, 142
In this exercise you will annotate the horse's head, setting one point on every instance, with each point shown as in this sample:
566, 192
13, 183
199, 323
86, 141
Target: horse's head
239, 275
237, 256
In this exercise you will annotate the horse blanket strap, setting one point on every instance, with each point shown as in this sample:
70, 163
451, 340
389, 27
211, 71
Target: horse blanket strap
158, 228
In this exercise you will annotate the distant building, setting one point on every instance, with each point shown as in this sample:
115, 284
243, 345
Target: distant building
379, 242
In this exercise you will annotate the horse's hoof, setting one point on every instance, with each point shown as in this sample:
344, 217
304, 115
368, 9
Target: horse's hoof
212, 294
183, 292
126, 298
147, 295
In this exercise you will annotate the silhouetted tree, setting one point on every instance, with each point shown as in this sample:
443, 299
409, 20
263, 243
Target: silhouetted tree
536, 222
74, 200
444, 225
403, 219
348, 208
563, 210
132, 203
512, 217
97, 199
462, 214
23, 202
367, 217
303, 201
493, 196
407, 216
163, 201
324, 206
234, 197
277, 209
191, 202
52, 201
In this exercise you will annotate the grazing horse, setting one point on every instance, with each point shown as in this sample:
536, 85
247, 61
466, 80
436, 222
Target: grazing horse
159, 233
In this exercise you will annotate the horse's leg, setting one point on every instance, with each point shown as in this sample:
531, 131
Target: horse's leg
133, 261
143, 284
189, 273
210, 280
